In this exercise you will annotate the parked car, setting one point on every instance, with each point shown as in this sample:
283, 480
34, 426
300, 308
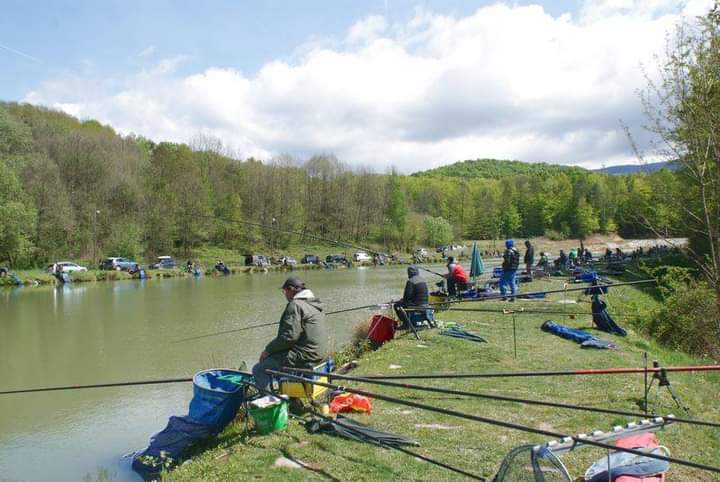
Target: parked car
119, 264
361, 256
421, 253
310, 259
335, 258
287, 261
65, 267
164, 262
257, 260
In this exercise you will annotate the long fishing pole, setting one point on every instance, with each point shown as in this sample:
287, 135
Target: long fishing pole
99, 385
499, 423
533, 312
400, 449
500, 398
496, 296
546, 373
430, 271
261, 325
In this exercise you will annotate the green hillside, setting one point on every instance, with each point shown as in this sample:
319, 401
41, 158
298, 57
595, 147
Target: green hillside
497, 169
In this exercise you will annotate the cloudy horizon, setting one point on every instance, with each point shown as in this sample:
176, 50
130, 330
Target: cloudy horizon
413, 91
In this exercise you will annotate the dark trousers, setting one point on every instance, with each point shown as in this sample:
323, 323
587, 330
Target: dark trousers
276, 361
455, 286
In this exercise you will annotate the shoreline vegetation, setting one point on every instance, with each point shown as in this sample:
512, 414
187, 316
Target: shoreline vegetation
237, 455
205, 258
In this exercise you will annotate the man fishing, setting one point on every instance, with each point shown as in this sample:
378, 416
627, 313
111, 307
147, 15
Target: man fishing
511, 262
301, 341
529, 258
457, 278
414, 302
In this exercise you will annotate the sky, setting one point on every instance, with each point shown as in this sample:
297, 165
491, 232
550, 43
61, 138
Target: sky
378, 83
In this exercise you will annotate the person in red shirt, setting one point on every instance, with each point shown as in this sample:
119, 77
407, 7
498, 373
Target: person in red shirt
457, 278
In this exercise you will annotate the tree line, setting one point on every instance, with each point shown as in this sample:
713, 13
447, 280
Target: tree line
71, 188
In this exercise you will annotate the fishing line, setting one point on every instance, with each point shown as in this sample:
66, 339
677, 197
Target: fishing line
499, 423
252, 327
498, 397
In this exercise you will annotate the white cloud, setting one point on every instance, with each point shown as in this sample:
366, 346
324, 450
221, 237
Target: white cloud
505, 82
148, 51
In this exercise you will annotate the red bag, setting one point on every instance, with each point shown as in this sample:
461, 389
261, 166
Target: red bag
351, 402
382, 329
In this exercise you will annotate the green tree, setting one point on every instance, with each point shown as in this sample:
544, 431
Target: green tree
683, 108
437, 231
17, 219
586, 220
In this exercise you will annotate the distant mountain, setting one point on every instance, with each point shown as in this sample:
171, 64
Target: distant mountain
635, 168
496, 169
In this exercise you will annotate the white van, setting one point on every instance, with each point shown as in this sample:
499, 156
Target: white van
361, 256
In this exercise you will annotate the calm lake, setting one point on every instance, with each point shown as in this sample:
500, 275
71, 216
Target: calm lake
107, 332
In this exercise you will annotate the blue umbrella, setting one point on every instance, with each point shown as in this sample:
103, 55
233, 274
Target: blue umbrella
476, 263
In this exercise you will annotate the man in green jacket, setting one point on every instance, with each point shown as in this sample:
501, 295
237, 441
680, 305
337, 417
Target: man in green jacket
301, 341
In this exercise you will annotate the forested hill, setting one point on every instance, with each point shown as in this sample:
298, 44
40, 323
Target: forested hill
636, 168
497, 169
76, 189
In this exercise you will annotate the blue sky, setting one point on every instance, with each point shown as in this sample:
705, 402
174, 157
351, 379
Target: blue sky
395, 82
61, 36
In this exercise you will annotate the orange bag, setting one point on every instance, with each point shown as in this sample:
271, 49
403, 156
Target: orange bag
350, 402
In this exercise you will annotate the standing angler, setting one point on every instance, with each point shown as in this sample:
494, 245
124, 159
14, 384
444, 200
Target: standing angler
301, 341
529, 258
511, 262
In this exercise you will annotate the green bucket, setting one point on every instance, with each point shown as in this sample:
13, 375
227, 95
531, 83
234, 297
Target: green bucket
270, 419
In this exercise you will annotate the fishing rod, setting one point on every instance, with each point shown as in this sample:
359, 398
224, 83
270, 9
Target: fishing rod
496, 296
99, 385
533, 312
430, 271
498, 423
400, 449
500, 398
261, 325
546, 373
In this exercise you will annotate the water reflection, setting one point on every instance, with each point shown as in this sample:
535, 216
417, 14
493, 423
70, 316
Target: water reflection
107, 332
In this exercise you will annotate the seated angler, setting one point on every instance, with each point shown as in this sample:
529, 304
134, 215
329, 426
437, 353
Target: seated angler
301, 341
414, 304
457, 278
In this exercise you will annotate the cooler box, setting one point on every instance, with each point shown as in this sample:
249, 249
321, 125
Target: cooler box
296, 389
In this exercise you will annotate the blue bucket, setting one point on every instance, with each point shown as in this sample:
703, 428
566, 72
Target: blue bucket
217, 396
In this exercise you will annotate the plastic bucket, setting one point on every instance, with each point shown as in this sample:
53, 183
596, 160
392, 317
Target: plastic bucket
270, 419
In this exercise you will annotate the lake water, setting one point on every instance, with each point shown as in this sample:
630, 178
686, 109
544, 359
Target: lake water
91, 333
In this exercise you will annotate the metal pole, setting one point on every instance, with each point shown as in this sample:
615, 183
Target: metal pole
514, 334
645, 406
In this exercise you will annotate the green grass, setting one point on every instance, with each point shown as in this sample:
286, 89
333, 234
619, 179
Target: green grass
478, 447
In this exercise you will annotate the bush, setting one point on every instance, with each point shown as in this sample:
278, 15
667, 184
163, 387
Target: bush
688, 320
553, 235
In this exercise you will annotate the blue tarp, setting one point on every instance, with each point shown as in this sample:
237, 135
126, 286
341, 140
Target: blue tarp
587, 276
585, 339
217, 396
169, 446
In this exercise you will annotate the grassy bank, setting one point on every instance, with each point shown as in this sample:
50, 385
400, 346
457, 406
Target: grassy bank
477, 447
